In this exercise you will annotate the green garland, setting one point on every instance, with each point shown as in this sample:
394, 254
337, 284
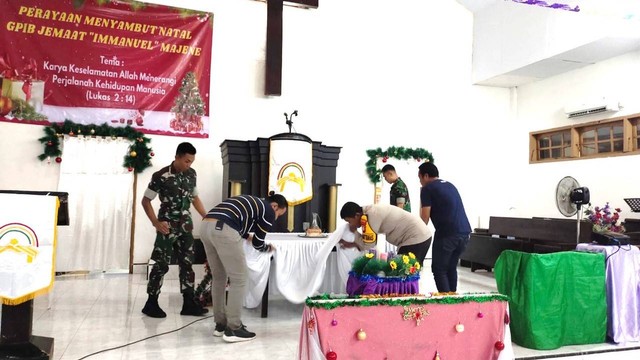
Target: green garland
402, 153
320, 300
137, 159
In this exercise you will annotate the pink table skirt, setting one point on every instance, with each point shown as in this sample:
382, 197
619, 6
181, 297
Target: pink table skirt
392, 331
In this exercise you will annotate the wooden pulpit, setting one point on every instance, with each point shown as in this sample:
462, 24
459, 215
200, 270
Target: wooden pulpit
246, 169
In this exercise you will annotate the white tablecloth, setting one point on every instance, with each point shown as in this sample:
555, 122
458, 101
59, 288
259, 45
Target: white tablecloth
301, 266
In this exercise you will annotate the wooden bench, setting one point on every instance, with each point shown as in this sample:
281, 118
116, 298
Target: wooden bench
533, 235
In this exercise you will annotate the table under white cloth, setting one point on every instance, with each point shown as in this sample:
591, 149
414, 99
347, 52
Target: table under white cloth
622, 276
300, 266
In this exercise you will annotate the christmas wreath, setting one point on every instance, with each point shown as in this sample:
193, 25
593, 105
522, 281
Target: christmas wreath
402, 153
137, 159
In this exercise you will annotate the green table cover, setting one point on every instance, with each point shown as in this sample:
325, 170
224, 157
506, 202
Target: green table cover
555, 299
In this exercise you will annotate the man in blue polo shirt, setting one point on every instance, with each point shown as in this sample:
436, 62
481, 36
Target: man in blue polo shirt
441, 203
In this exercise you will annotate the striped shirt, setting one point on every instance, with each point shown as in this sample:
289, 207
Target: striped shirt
245, 214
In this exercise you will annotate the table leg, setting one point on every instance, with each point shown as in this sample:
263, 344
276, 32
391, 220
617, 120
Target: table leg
265, 302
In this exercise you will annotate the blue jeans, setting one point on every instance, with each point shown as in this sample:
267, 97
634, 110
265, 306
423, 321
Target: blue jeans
445, 255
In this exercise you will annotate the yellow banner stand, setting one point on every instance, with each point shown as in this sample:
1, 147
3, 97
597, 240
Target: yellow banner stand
27, 269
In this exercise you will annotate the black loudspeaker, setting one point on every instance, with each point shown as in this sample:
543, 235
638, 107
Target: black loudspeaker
609, 238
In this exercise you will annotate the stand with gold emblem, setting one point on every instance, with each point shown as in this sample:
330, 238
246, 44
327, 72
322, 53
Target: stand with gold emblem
28, 221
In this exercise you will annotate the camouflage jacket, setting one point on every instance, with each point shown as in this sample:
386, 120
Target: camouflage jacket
176, 192
399, 190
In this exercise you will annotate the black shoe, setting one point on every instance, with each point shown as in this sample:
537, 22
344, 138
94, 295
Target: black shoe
219, 331
192, 307
152, 309
241, 334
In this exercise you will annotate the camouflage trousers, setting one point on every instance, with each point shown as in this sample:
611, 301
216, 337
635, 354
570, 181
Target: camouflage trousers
180, 243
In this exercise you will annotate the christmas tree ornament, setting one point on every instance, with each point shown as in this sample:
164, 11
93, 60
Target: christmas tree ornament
93, 131
361, 335
58, 159
5, 105
79, 131
480, 315
331, 355
152, 154
71, 133
334, 322
48, 159
130, 169
133, 154
311, 324
459, 328
416, 313
507, 320
499, 345
437, 357
188, 107
49, 143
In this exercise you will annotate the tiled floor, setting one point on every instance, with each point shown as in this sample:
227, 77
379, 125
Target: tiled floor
89, 314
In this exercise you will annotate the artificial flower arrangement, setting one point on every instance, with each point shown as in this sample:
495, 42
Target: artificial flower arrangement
386, 264
384, 274
605, 218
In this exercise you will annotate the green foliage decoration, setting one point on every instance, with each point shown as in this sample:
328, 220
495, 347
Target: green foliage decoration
322, 301
402, 153
137, 158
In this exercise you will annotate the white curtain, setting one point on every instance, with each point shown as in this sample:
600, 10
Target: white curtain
100, 205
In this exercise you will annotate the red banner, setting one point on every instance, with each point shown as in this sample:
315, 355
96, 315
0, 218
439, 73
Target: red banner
121, 63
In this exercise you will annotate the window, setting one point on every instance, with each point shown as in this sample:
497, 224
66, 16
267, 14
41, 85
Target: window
602, 139
554, 145
620, 136
635, 133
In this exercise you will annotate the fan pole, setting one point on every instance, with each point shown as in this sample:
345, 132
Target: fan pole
578, 226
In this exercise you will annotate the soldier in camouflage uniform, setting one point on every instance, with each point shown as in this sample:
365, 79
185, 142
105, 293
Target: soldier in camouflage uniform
176, 187
399, 193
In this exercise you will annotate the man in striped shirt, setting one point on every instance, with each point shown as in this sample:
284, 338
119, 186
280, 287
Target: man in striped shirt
223, 230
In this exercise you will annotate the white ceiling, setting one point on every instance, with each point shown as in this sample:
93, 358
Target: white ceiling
569, 60
477, 5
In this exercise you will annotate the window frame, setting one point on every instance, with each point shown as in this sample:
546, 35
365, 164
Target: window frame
630, 139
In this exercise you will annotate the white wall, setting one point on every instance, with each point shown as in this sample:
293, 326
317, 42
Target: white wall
362, 75
540, 106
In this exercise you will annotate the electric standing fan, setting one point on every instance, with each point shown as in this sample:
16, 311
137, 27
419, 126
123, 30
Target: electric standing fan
569, 199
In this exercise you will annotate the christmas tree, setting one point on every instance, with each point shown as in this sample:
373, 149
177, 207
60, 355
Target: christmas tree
189, 107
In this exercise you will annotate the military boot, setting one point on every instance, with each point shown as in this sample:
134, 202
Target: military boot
152, 309
191, 306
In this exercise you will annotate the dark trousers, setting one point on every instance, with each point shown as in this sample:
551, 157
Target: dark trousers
445, 255
419, 250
